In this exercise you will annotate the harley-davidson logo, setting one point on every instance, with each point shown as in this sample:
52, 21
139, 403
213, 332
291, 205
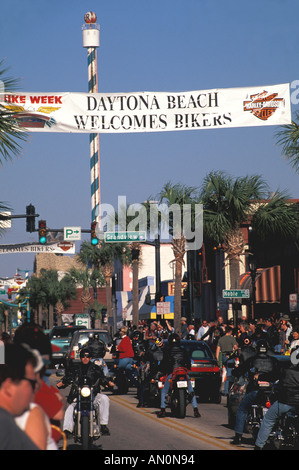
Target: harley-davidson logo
263, 105
65, 246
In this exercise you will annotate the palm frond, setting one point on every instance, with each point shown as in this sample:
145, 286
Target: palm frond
11, 135
288, 138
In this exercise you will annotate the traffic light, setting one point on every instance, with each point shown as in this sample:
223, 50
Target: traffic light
93, 235
30, 219
42, 231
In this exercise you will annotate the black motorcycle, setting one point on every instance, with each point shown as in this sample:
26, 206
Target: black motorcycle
285, 434
153, 389
264, 399
86, 428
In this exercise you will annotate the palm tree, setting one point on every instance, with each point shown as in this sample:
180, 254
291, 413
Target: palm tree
87, 279
3, 208
288, 137
48, 291
230, 203
177, 194
10, 133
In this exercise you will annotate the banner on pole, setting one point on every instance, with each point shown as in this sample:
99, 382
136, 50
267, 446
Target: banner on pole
150, 111
59, 247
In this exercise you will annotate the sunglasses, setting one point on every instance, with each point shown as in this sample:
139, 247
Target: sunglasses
85, 355
31, 381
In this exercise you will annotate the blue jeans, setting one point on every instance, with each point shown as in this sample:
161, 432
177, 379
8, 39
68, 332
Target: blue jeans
244, 407
270, 418
229, 379
165, 390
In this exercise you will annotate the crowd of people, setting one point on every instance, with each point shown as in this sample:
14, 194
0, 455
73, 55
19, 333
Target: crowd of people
281, 333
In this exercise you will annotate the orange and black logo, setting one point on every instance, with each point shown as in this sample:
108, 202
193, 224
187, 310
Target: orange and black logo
263, 105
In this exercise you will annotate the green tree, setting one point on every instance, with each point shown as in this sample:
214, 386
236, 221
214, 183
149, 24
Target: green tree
87, 279
102, 258
11, 135
49, 292
230, 203
288, 138
175, 196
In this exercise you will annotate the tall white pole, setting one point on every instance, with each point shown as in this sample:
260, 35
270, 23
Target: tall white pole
91, 40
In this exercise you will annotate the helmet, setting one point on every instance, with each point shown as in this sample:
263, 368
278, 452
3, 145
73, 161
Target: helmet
174, 338
262, 346
84, 351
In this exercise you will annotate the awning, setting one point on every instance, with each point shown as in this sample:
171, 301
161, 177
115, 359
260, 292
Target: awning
267, 283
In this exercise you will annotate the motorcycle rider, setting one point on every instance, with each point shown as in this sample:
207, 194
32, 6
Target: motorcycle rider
288, 399
97, 378
98, 349
149, 368
175, 356
265, 368
126, 356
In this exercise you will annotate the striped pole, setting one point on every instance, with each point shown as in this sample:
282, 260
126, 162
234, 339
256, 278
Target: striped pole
91, 40
94, 141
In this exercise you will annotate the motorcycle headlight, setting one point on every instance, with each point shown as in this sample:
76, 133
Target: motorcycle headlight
85, 392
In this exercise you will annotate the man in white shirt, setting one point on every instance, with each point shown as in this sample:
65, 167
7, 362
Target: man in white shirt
202, 330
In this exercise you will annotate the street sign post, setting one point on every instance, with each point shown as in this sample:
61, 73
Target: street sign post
124, 237
162, 308
236, 293
71, 233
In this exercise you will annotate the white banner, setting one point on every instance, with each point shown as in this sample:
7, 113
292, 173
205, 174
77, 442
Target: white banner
60, 247
150, 111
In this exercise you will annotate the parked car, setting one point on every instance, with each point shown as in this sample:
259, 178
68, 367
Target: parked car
205, 374
60, 337
79, 340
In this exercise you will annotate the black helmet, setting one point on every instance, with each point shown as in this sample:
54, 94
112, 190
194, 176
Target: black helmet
84, 351
174, 338
262, 346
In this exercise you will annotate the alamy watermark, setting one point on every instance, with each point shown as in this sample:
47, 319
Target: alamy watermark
156, 219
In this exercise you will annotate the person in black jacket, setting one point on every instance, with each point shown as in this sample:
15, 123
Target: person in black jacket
96, 376
262, 367
288, 398
175, 356
98, 349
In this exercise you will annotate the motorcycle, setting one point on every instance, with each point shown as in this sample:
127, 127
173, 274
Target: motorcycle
122, 378
86, 428
285, 434
264, 399
153, 389
178, 395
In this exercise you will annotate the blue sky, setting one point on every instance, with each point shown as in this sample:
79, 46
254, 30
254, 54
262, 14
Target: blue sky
165, 45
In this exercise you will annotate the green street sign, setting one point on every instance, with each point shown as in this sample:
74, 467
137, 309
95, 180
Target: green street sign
2, 292
236, 293
124, 237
